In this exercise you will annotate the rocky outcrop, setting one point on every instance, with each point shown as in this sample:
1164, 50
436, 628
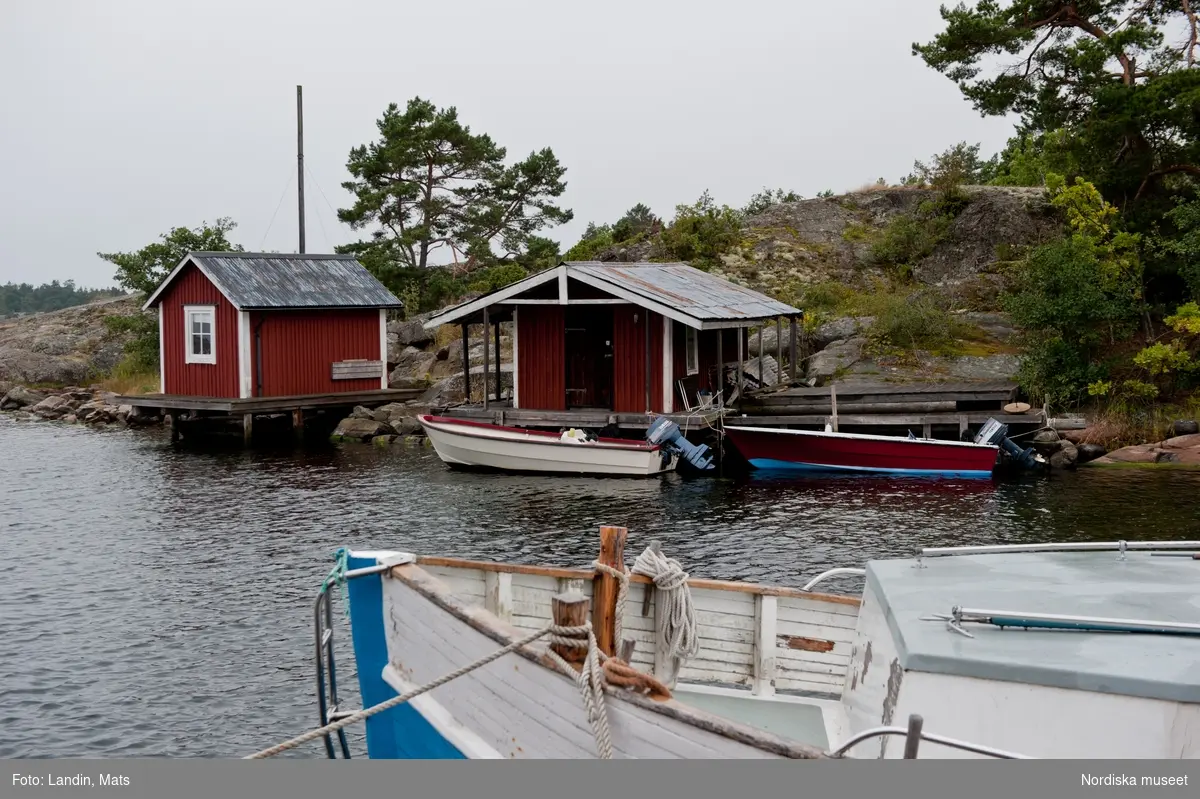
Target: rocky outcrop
1181, 450
71, 404
355, 429
67, 346
20, 397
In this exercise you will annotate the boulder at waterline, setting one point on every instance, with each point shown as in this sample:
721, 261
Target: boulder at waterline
1090, 452
384, 440
1065, 457
353, 429
20, 397
384, 414
407, 426
362, 412
52, 407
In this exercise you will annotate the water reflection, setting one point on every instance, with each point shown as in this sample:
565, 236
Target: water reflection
160, 603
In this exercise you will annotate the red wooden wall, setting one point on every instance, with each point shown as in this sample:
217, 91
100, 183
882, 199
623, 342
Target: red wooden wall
219, 379
629, 359
300, 347
541, 362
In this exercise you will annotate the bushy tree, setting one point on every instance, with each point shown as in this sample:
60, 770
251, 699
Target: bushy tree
767, 198
638, 221
956, 166
145, 269
701, 232
428, 183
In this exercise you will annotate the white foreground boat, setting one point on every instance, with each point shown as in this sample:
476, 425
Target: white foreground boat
465, 443
1091, 633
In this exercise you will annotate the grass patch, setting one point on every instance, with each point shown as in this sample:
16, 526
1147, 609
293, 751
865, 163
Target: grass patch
126, 381
856, 232
1125, 424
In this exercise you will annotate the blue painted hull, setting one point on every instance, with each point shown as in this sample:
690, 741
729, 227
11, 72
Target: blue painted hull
401, 732
768, 464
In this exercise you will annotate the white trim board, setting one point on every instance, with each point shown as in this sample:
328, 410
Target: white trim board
668, 365
245, 380
162, 361
458, 312
383, 352
516, 399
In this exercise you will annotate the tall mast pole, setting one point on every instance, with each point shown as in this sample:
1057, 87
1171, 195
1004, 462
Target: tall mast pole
300, 158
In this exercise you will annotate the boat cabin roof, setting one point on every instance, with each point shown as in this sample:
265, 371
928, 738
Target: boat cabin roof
1100, 584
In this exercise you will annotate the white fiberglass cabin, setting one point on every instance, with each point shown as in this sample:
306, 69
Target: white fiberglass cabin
1088, 651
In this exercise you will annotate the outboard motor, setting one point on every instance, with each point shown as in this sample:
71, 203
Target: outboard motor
996, 433
666, 434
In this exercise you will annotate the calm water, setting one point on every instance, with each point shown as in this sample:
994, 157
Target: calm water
157, 602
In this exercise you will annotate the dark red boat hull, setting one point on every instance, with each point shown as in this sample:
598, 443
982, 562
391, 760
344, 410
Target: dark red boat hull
774, 448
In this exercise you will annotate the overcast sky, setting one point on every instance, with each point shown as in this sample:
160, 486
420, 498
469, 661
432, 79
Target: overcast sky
122, 119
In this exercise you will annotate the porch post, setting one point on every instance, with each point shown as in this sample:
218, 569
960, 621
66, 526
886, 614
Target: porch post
741, 336
719, 388
792, 354
497, 339
762, 329
779, 347
646, 328
466, 365
487, 372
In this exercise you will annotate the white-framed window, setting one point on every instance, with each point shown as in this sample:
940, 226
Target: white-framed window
199, 334
692, 348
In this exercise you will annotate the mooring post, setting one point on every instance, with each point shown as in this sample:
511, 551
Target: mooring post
569, 610
173, 421
606, 587
298, 424
247, 428
913, 739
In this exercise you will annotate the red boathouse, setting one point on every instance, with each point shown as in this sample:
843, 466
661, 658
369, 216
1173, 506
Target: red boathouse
616, 338
259, 325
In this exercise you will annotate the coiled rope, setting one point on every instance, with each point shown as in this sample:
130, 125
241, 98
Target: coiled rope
675, 614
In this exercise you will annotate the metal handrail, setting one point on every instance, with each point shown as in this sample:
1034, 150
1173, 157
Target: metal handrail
831, 573
1089, 546
914, 735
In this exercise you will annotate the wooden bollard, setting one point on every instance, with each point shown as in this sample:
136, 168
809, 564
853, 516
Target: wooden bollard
606, 588
570, 610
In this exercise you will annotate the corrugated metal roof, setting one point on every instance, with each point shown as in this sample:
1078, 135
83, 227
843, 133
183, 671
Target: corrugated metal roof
685, 288
281, 280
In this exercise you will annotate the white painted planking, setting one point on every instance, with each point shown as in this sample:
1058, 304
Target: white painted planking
521, 709
764, 670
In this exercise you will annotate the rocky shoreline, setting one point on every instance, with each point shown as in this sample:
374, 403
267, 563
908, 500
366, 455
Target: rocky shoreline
91, 406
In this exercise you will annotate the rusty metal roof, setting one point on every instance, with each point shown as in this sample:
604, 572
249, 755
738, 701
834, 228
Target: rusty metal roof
696, 293
282, 280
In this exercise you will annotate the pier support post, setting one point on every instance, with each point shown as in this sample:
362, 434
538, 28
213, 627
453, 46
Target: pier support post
173, 421
247, 428
606, 588
298, 424
569, 610
719, 388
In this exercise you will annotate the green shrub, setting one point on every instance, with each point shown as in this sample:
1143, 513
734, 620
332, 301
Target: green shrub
141, 350
700, 233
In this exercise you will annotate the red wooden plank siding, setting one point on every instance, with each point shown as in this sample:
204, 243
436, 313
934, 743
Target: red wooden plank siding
219, 379
542, 364
678, 353
300, 347
629, 359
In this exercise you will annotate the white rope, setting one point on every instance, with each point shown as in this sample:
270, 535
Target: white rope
674, 612
590, 681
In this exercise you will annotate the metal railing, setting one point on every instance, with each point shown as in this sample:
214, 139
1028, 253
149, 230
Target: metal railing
1081, 546
914, 734
831, 573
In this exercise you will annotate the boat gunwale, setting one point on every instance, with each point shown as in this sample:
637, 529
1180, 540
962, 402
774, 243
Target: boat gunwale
863, 437
442, 422
478, 618
585, 574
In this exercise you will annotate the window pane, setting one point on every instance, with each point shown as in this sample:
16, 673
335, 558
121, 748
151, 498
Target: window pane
195, 345
206, 327
206, 344
196, 324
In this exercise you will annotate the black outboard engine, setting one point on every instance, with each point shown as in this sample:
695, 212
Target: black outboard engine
994, 432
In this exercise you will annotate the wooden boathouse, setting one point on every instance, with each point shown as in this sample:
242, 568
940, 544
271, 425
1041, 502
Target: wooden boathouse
598, 344
250, 334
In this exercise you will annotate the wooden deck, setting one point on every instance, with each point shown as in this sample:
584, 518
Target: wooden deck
235, 405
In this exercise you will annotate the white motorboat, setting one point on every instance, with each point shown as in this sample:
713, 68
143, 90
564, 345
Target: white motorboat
467, 443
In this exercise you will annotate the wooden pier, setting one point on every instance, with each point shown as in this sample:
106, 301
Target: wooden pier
181, 410
943, 407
